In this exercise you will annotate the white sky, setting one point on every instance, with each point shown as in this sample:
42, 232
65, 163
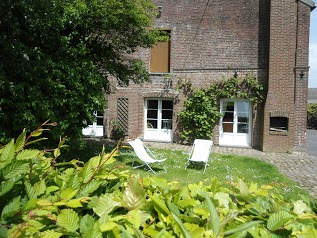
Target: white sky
312, 80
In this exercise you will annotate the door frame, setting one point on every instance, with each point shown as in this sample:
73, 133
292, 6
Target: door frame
235, 139
158, 134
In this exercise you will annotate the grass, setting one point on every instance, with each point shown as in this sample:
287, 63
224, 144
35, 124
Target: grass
226, 168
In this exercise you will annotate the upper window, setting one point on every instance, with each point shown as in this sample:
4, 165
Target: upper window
160, 55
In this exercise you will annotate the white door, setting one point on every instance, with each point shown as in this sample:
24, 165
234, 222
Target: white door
235, 123
158, 120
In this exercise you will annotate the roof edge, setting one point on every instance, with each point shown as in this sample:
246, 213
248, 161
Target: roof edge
309, 3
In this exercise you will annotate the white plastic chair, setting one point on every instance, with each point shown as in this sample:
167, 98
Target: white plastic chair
200, 152
144, 154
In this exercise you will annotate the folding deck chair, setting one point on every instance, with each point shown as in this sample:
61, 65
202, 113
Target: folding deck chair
200, 152
144, 154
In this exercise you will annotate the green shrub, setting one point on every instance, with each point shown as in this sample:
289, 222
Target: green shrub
312, 115
201, 109
41, 197
117, 132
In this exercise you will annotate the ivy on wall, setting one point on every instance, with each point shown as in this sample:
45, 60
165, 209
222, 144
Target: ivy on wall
201, 108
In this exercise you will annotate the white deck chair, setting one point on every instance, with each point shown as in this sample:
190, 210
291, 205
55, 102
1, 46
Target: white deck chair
144, 154
200, 152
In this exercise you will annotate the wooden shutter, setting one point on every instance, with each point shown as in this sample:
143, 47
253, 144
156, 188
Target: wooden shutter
160, 58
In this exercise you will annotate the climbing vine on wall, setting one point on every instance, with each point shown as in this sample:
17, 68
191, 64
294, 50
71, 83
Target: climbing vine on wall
201, 108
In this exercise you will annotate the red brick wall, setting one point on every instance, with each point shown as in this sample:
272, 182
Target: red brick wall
301, 76
286, 92
209, 42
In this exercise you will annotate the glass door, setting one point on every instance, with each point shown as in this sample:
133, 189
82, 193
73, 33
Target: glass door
158, 119
235, 123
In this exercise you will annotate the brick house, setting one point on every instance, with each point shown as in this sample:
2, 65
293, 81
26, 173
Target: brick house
210, 40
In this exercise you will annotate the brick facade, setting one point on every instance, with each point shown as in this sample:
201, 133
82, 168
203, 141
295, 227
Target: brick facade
215, 39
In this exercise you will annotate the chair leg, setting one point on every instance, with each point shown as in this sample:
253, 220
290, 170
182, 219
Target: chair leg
206, 164
150, 168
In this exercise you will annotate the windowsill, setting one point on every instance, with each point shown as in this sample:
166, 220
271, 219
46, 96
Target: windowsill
279, 133
167, 73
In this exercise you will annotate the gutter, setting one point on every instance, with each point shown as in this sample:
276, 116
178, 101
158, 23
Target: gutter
309, 3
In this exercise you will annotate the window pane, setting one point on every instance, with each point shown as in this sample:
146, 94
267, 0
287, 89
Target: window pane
151, 124
227, 127
228, 117
167, 104
243, 106
167, 114
243, 117
166, 124
152, 104
228, 106
99, 121
152, 114
243, 128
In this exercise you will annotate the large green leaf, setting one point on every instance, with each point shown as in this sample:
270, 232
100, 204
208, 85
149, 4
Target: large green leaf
89, 188
7, 154
185, 233
159, 204
108, 226
195, 230
215, 220
243, 188
33, 191
134, 194
20, 141
135, 218
89, 228
15, 170
86, 223
157, 182
242, 227
50, 234
188, 203
68, 193
74, 181
11, 208
6, 186
68, 219
105, 204
28, 154
90, 168
74, 203
277, 220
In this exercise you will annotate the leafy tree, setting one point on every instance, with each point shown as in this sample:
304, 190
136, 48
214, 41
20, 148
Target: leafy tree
312, 115
56, 57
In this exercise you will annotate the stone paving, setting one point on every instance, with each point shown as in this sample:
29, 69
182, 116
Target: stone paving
300, 167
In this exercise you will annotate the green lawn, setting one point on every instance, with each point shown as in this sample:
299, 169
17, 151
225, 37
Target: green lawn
226, 168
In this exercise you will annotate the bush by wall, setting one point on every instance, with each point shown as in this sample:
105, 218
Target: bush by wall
312, 115
201, 109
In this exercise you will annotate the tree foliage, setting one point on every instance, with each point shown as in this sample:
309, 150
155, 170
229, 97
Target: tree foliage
42, 197
312, 115
56, 57
201, 109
